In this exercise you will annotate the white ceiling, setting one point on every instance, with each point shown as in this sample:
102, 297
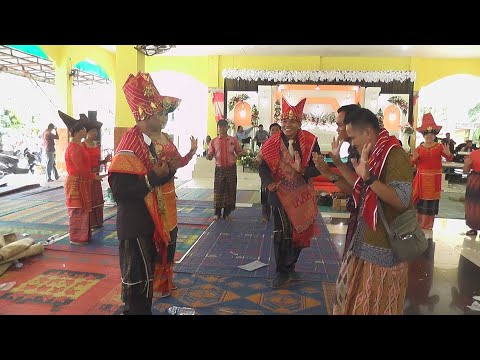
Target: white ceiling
430, 51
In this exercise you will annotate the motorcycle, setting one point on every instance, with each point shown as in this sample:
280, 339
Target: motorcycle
10, 165
33, 159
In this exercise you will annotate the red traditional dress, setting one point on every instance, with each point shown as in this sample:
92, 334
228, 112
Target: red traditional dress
78, 192
96, 215
472, 194
427, 184
163, 279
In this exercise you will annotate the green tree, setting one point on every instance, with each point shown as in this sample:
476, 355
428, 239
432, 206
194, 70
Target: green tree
8, 120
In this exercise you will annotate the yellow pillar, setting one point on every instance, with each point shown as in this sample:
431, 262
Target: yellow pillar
212, 83
128, 61
63, 86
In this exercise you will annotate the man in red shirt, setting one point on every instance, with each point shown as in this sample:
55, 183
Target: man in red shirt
49, 146
225, 149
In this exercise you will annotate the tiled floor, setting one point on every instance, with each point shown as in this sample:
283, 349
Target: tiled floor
443, 281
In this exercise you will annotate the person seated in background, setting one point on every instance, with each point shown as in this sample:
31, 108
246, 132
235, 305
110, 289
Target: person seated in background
206, 144
261, 136
242, 135
469, 147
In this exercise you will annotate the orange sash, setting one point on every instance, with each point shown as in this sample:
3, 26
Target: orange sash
128, 163
427, 185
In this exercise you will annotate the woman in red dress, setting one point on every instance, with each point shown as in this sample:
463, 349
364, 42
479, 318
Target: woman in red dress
471, 166
92, 147
78, 182
166, 150
427, 184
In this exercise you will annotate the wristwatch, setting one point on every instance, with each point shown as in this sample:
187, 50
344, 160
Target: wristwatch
335, 178
371, 179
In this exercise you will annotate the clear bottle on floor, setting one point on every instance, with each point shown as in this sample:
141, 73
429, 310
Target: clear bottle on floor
178, 310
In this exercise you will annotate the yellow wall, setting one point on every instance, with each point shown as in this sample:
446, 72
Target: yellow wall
202, 68
208, 69
428, 70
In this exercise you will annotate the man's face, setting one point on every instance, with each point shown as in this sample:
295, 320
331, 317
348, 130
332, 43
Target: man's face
359, 137
447, 135
290, 127
341, 130
260, 127
222, 129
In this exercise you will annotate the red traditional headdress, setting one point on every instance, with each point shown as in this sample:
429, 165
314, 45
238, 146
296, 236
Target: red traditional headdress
144, 99
428, 125
293, 112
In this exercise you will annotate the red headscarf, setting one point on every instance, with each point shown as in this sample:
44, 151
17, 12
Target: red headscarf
133, 141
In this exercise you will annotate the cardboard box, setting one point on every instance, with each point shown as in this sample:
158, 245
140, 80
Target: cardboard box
339, 204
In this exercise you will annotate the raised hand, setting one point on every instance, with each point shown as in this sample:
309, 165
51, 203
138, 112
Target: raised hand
297, 162
193, 145
320, 163
336, 145
446, 149
361, 167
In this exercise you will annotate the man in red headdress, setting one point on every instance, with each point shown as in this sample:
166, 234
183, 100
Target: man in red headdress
285, 170
135, 177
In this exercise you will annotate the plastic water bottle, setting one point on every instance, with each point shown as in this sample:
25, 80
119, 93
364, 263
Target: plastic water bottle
178, 310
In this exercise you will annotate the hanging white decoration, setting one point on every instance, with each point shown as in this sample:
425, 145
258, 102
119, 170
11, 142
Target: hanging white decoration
317, 76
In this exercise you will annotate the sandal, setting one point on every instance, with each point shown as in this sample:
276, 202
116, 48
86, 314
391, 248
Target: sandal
471, 232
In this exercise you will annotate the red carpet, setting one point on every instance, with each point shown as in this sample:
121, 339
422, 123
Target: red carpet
60, 283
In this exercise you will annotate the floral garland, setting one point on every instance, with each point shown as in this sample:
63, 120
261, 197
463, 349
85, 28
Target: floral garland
278, 110
380, 118
254, 115
248, 160
401, 103
407, 129
234, 100
317, 75
324, 119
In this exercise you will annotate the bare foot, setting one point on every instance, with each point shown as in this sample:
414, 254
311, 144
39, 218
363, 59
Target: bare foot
227, 217
216, 217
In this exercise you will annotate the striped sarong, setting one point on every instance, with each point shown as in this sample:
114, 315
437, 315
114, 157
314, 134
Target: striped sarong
472, 201
225, 187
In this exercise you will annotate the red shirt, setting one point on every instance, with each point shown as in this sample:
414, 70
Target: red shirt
93, 157
77, 161
475, 156
225, 150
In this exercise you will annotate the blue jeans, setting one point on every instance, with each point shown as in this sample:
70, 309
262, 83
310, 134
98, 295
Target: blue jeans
51, 165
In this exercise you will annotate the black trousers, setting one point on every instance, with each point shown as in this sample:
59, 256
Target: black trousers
137, 266
226, 210
286, 256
